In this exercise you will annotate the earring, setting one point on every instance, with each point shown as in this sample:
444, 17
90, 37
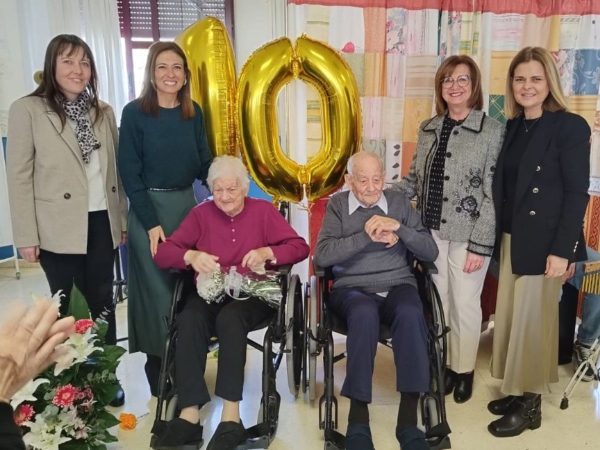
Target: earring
185, 82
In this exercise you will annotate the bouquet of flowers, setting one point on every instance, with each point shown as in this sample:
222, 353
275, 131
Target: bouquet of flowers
65, 407
212, 287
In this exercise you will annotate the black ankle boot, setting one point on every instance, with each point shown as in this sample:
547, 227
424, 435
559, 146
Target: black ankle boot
464, 387
503, 405
526, 414
449, 380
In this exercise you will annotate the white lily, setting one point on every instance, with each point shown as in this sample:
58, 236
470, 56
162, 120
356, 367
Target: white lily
26, 392
75, 350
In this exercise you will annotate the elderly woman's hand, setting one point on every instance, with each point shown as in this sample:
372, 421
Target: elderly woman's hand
28, 338
256, 259
556, 266
155, 235
201, 262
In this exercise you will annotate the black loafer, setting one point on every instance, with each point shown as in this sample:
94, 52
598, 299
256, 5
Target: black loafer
178, 433
503, 405
358, 437
411, 438
228, 436
449, 380
119, 399
464, 387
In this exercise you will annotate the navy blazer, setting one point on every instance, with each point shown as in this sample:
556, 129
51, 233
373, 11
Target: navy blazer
551, 192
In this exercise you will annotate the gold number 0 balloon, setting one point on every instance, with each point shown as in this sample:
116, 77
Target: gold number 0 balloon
264, 74
210, 59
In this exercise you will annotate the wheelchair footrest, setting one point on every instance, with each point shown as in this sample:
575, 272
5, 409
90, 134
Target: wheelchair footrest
334, 440
439, 444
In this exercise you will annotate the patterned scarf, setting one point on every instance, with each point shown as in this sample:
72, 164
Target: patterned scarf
77, 111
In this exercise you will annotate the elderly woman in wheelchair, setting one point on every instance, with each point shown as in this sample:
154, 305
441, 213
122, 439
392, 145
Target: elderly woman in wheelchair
231, 230
365, 236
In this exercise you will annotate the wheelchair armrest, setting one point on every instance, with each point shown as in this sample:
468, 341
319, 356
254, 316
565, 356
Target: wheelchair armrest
284, 269
427, 267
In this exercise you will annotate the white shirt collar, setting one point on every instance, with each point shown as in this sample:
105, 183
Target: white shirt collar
353, 203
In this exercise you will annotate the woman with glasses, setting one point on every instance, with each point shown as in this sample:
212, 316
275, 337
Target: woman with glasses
230, 230
451, 178
540, 194
162, 150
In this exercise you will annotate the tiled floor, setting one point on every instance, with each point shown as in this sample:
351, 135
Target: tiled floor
576, 428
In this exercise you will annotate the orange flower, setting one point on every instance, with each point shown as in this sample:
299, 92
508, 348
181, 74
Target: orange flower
128, 421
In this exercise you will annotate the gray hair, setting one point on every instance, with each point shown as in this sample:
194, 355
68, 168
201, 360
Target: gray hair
228, 166
362, 155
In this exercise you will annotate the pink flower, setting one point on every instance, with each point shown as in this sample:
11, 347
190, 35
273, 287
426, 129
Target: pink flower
82, 325
349, 47
24, 413
65, 395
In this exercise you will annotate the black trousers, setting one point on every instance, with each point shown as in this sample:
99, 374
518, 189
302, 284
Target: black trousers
91, 272
230, 321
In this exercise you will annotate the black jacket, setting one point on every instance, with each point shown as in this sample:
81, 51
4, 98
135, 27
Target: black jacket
551, 192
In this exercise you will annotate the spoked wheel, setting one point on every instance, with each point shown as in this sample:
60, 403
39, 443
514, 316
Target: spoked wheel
311, 338
294, 336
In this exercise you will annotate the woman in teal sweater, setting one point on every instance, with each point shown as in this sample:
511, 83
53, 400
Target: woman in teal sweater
162, 150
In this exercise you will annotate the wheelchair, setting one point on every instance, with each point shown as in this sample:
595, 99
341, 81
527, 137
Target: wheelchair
320, 323
285, 328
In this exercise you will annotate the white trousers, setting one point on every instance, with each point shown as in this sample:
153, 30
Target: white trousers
460, 293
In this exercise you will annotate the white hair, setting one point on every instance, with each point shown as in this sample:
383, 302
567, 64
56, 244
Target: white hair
361, 155
228, 166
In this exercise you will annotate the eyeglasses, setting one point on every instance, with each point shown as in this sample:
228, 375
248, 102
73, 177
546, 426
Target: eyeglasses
462, 81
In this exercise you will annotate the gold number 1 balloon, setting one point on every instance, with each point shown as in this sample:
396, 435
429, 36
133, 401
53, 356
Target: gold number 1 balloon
249, 118
210, 59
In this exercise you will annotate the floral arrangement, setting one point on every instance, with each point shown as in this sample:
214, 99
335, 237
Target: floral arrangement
212, 287
65, 407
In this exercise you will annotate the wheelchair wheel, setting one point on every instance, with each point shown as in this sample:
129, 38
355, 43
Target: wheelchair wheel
311, 341
294, 334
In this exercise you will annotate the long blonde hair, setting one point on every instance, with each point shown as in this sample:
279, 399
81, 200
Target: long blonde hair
555, 101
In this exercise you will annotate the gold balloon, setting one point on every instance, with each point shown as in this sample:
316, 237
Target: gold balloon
267, 70
210, 58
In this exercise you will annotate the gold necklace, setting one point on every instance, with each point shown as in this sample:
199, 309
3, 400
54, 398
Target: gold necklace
527, 128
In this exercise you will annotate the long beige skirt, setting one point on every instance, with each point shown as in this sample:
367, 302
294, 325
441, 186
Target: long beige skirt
525, 348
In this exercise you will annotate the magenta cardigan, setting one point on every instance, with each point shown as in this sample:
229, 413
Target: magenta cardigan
208, 229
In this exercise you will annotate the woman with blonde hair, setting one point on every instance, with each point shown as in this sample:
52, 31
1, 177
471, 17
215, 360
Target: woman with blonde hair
540, 196
162, 150
451, 177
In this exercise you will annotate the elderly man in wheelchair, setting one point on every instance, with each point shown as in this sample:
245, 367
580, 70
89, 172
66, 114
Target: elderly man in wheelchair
365, 236
231, 230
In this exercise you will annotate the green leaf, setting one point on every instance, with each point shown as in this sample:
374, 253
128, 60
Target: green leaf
107, 420
78, 307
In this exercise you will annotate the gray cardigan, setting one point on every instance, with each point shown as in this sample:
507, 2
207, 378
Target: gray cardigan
358, 261
467, 207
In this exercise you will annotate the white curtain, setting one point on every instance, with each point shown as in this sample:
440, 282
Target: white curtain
5, 226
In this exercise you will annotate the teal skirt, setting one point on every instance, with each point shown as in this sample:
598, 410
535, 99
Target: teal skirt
149, 288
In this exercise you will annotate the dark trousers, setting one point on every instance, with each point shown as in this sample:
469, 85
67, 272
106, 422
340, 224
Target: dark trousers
92, 272
402, 311
230, 321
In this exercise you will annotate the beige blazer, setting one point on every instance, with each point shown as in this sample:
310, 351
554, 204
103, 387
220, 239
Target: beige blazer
47, 183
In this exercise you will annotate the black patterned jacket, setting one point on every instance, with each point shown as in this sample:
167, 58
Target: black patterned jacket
467, 207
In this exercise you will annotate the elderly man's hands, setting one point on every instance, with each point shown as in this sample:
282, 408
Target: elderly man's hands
201, 262
28, 338
256, 259
382, 229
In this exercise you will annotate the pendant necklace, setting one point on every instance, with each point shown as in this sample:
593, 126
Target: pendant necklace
527, 128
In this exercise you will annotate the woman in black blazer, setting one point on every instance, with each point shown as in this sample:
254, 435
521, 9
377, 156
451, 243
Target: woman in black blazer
540, 196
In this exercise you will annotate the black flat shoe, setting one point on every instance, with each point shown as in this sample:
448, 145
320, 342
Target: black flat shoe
411, 438
464, 387
358, 437
527, 414
180, 434
119, 399
228, 436
503, 405
449, 380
